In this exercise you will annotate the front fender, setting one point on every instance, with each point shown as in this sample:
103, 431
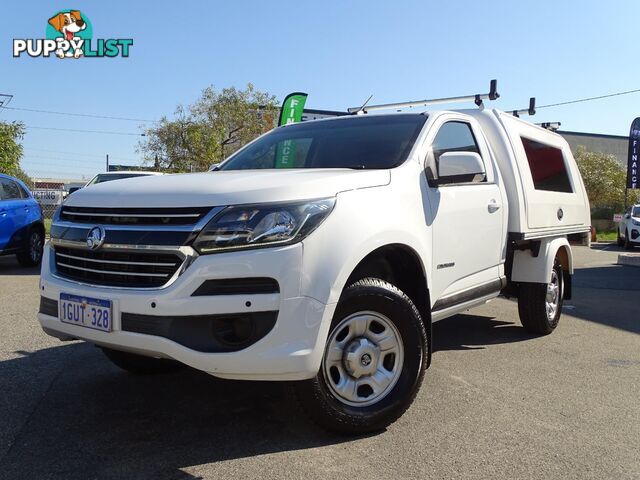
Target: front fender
361, 222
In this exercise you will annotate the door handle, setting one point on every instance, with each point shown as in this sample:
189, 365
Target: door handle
493, 206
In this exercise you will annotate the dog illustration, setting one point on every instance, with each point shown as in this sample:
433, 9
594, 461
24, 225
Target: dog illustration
68, 24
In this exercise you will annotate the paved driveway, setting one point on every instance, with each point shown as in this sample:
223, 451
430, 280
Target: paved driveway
496, 403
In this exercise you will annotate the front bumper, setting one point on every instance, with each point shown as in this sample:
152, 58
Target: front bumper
291, 350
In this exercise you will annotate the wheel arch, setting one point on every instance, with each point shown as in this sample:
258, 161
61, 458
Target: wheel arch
537, 269
402, 266
39, 226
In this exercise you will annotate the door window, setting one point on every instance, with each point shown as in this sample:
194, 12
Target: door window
9, 190
454, 137
23, 192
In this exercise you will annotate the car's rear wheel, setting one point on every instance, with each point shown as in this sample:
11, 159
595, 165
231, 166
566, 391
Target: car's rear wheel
31, 254
540, 304
139, 364
373, 364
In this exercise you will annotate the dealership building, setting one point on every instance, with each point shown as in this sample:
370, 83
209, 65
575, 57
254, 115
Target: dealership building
616, 145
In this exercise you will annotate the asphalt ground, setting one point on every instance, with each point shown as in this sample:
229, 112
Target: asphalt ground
497, 402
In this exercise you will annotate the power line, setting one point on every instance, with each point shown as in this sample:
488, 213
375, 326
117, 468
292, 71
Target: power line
75, 161
5, 99
86, 131
78, 161
77, 154
64, 152
71, 114
589, 99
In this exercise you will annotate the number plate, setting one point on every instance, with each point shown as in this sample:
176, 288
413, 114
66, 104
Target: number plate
85, 311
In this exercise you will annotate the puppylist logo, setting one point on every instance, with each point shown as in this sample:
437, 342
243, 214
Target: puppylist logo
69, 34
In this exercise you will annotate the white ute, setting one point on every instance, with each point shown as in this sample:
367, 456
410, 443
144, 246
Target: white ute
329, 273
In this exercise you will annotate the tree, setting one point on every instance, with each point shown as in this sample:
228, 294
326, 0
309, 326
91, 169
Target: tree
605, 180
11, 151
215, 126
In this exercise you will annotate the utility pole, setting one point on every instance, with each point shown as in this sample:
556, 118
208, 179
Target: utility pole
107, 162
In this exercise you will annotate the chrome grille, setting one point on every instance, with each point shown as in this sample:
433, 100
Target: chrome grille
133, 269
134, 216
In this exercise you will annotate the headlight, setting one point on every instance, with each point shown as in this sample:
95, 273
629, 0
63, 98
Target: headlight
636, 222
262, 225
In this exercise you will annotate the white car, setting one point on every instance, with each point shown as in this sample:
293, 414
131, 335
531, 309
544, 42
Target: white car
110, 176
629, 228
329, 273
119, 175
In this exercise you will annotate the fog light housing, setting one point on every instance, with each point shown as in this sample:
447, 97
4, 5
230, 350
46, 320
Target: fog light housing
234, 331
634, 234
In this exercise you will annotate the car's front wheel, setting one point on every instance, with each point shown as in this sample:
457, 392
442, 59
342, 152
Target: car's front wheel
373, 364
31, 254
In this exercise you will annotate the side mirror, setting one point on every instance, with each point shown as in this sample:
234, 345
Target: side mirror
460, 167
627, 215
74, 189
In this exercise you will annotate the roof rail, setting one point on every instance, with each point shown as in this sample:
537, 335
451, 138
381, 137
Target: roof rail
526, 111
477, 99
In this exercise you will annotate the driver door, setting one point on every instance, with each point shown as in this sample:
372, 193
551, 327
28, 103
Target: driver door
468, 217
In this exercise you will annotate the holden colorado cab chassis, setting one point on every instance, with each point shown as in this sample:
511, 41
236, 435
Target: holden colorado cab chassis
328, 273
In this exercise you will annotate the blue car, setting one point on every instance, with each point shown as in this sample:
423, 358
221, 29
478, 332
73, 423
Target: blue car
21, 223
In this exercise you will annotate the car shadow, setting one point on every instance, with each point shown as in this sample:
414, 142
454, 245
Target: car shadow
96, 421
607, 295
472, 332
608, 246
10, 266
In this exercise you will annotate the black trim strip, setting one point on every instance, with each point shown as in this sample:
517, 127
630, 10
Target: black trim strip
48, 306
126, 237
237, 286
472, 294
205, 333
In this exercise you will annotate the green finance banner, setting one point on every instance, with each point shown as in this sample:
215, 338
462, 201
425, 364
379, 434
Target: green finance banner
291, 112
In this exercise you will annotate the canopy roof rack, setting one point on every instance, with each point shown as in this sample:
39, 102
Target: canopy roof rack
477, 99
553, 126
526, 111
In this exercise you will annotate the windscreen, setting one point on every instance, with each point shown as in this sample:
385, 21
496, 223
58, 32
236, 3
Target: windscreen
117, 176
635, 212
373, 142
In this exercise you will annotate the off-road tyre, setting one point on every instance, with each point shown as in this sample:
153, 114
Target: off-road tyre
533, 305
316, 396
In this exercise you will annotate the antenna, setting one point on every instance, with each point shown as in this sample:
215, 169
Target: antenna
477, 99
526, 111
361, 110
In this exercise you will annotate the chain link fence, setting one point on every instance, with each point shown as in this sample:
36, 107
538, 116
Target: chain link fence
51, 179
